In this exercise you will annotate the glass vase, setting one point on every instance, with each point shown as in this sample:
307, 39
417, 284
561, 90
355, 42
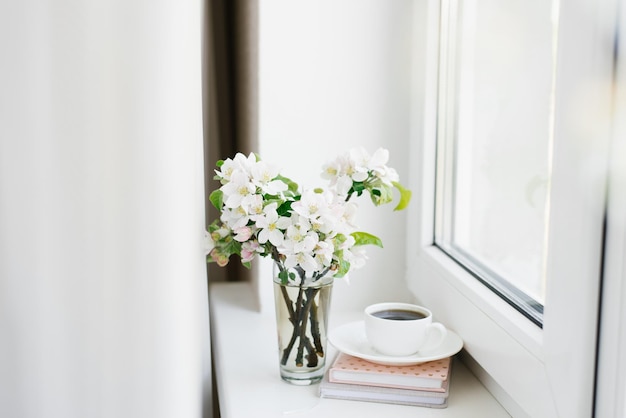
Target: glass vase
302, 304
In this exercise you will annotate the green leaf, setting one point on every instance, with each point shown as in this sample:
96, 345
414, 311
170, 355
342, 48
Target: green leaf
283, 275
363, 238
405, 196
215, 225
381, 195
357, 187
340, 239
217, 199
232, 247
284, 209
291, 185
247, 264
344, 267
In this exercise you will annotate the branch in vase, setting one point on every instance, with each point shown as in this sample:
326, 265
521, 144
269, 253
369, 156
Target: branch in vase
292, 316
296, 324
302, 320
315, 330
305, 310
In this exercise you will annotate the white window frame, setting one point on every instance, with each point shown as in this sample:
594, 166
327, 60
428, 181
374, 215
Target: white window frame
611, 389
534, 372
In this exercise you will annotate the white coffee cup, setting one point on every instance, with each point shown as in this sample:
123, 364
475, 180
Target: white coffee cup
402, 329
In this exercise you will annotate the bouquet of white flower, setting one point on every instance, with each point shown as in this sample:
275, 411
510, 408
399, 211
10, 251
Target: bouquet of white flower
309, 234
311, 231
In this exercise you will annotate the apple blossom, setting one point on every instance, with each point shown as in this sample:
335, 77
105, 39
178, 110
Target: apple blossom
270, 225
237, 189
249, 251
209, 244
311, 231
242, 234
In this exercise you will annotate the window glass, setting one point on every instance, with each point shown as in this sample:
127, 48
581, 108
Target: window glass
495, 119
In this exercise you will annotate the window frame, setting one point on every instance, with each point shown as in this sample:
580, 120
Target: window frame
536, 372
611, 389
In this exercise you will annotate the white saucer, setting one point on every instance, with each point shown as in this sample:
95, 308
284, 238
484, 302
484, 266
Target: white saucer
350, 339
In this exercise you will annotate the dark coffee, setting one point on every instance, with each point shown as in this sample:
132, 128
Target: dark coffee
399, 315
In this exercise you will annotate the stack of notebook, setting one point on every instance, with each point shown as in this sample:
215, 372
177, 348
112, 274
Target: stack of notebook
425, 384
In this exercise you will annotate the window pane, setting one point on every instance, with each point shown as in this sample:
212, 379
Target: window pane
495, 136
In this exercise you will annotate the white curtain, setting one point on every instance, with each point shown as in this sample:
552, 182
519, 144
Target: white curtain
103, 300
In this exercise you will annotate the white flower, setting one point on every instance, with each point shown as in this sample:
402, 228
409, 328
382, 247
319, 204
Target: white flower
337, 219
313, 232
343, 185
245, 163
388, 175
304, 260
356, 256
235, 218
357, 167
270, 225
319, 210
249, 250
240, 163
242, 234
226, 170
274, 187
324, 253
378, 160
209, 244
238, 188
332, 170
262, 174
311, 205
298, 239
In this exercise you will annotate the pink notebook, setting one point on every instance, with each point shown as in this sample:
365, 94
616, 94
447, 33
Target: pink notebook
430, 376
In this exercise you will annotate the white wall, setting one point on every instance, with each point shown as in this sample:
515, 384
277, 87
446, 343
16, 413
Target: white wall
335, 75
103, 304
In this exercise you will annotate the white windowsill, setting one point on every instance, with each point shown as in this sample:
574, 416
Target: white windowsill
248, 382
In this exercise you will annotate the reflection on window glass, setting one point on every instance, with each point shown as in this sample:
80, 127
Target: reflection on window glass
494, 143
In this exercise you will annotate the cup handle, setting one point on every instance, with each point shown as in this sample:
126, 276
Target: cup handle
436, 334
